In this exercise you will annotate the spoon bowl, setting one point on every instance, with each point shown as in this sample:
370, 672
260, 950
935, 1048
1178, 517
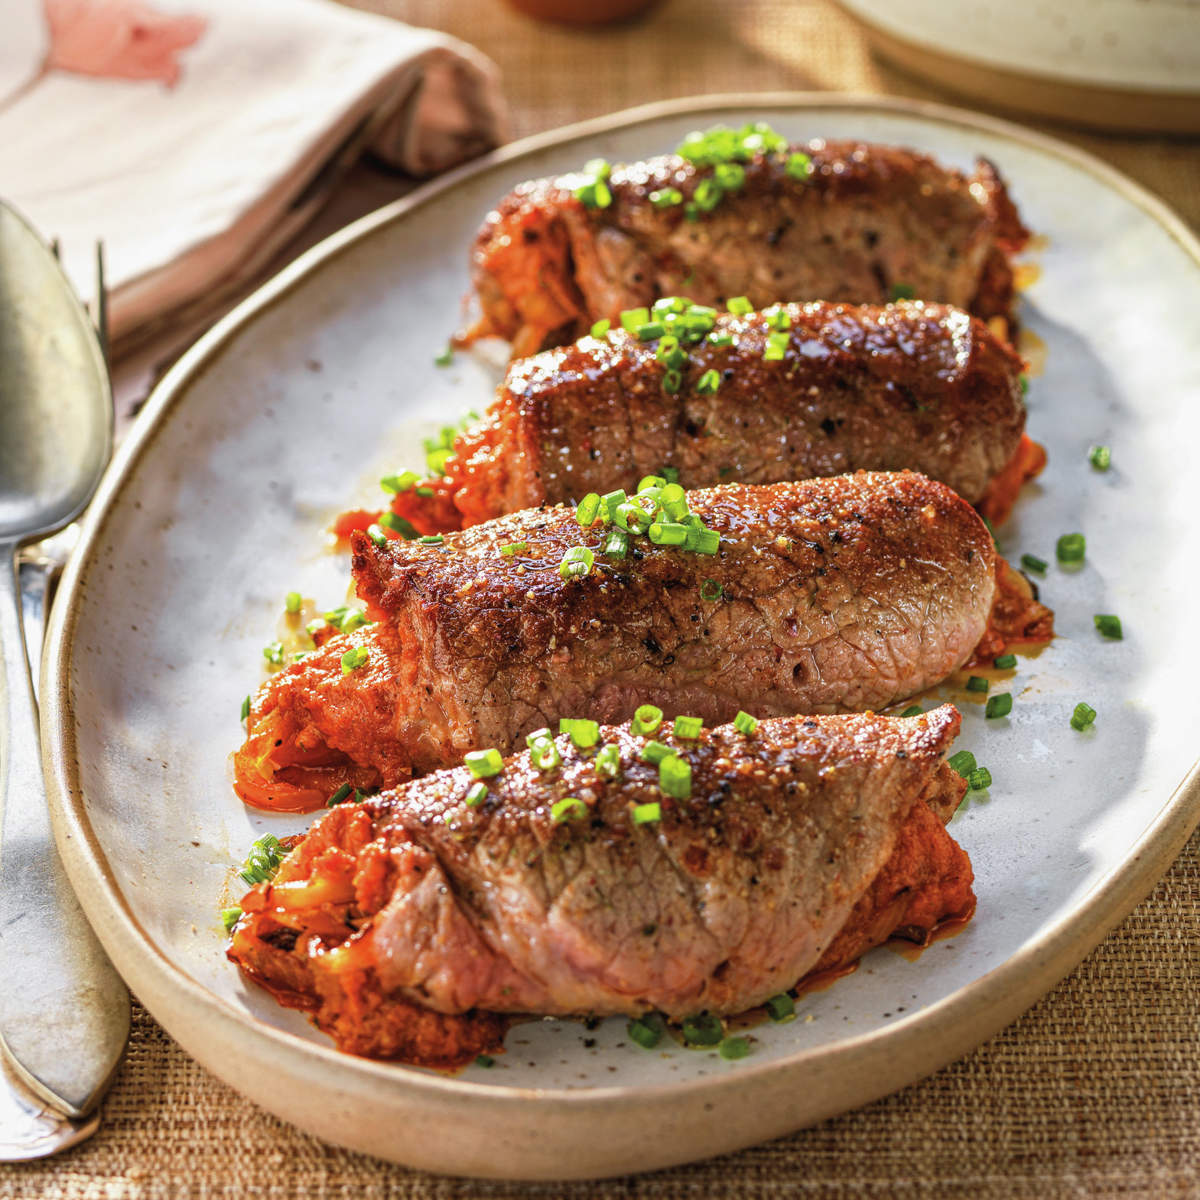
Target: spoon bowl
55, 402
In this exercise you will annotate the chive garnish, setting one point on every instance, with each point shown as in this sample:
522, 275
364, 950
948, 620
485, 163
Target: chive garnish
544, 755
734, 1047
776, 347
476, 794
688, 727
511, 548
1083, 716
647, 814
1100, 457
445, 357
274, 653
655, 752
980, 779
799, 166
709, 382
432, 539
246, 707
230, 917
608, 761
744, 723
711, 590
720, 339
292, 602
354, 658
977, 683
646, 1031
484, 1060
901, 291
1109, 625
666, 197
483, 764
1032, 563
999, 705
739, 305
631, 318
583, 733
588, 509
913, 710
1071, 548
646, 719
576, 563
1005, 662
616, 544
400, 525
601, 327
703, 1029
781, 1007
963, 762
399, 483
339, 795
675, 777
376, 534
570, 808
263, 860
538, 735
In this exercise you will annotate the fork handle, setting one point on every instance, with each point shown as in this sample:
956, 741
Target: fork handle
64, 1011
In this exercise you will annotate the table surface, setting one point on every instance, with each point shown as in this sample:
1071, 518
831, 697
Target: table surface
1095, 1091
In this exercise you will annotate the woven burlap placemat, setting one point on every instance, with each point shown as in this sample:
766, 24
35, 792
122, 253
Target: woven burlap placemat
1094, 1092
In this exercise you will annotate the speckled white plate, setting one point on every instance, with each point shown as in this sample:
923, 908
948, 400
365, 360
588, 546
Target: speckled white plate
298, 401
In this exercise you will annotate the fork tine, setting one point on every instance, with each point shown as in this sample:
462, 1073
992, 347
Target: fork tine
101, 303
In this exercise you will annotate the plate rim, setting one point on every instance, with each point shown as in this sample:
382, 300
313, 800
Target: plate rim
963, 1019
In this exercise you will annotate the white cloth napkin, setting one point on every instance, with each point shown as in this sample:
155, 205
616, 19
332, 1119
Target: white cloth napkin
195, 137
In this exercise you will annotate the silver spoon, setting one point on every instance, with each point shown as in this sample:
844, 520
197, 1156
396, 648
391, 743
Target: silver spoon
64, 1012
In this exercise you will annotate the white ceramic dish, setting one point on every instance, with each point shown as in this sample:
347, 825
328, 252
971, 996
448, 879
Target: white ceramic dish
325, 380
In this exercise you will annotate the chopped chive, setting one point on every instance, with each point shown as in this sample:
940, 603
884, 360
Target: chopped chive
645, 1033
608, 761
777, 317
230, 917
739, 305
650, 330
1005, 662
485, 1060
734, 1047
545, 755
646, 719
705, 541
339, 795
399, 483
744, 723
1108, 625
703, 1029
1032, 563
355, 620
977, 683
688, 727
675, 777
583, 733
445, 357
476, 794
720, 339
616, 544
1100, 457
655, 752
511, 548
273, 653
354, 658
913, 710
263, 860
313, 627
670, 352
963, 762
376, 534
729, 176
292, 602
708, 383
798, 166
707, 195
570, 808
576, 563
776, 347
246, 707
990, 528
631, 318
1071, 548
999, 705
781, 1007
979, 779
400, 525
668, 533
611, 501
651, 481
711, 590
597, 168
432, 539
588, 510
672, 381
671, 475
666, 197
901, 291
1023, 380
1083, 716
424, 492
601, 327
483, 764
647, 814
539, 735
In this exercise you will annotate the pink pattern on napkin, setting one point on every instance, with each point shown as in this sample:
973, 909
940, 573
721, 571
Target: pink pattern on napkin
118, 39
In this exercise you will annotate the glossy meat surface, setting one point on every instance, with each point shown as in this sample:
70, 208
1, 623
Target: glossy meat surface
868, 220
912, 385
406, 923
838, 594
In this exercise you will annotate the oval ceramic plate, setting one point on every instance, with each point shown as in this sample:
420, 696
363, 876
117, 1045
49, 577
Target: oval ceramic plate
295, 404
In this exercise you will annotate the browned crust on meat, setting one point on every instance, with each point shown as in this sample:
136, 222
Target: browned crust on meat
870, 218
312, 936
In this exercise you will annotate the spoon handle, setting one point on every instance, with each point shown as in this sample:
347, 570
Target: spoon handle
64, 1011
